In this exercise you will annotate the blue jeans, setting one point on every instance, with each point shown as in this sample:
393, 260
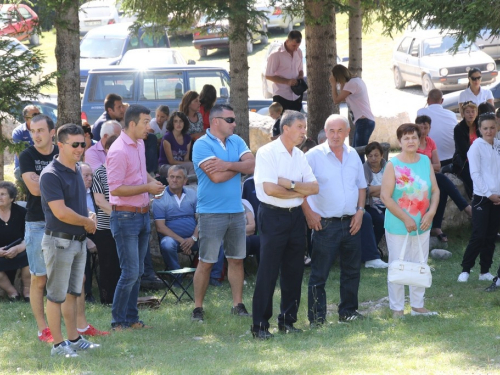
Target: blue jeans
131, 233
364, 129
378, 222
334, 238
446, 188
369, 249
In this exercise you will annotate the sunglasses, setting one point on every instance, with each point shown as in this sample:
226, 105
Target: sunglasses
30, 117
229, 120
475, 78
76, 144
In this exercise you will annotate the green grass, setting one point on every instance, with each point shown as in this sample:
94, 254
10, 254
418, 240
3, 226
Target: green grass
463, 339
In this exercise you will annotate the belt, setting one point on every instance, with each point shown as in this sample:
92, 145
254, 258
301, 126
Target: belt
66, 236
343, 217
141, 210
284, 209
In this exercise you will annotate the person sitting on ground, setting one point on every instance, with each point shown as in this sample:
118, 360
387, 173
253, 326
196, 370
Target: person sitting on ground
158, 125
464, 134
12, 225
190, 106
474, 92
114, 109
176, 145
208, 98
275, 111
446, 187
175, 220
484, 161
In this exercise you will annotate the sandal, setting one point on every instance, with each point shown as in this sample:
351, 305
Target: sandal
442, 237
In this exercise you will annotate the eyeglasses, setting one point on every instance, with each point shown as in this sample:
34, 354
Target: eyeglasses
475, 78
30, 117
76, 144
229, 120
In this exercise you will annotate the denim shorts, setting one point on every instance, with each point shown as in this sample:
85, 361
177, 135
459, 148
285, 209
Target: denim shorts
65, 261
215, 228
33, 237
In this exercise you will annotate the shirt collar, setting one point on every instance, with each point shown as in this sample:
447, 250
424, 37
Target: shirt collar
128, 140
172, 194
98, 146
60, 166
326, 148
24, 127
214, 138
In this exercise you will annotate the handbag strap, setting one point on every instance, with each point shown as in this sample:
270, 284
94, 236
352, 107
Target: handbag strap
405, 243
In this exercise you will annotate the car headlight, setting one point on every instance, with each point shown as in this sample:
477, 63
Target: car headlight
490, 67
443, 71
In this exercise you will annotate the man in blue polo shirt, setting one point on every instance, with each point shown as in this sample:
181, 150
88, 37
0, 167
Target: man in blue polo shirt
219, 158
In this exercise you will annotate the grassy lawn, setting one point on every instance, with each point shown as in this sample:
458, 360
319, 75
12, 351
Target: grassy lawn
463, 339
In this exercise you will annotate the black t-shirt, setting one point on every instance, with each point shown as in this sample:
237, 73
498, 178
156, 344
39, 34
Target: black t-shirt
14, 229
31, 160
276, 128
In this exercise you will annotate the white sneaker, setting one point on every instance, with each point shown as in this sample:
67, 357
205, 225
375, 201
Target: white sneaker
428, 313
486, 277
64, 350
463, 277
376, 263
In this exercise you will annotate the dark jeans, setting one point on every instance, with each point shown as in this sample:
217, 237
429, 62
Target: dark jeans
253, 246
149, 271
295, 105
88, 274
464, 175
282, 244
378, 223
485, 224
109, 264
446, 188
334, 238
369, 249
364, 129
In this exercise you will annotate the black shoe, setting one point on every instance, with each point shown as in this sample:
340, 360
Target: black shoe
316, 324
288, 328
261, 334
493, 285
240, 310
89, 298
14, 298
351, 317
152, 284
197, 315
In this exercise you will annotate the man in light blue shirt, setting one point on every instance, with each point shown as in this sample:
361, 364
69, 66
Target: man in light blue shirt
219, 158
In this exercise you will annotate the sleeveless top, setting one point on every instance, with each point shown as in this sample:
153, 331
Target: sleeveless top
178, 151
412, 193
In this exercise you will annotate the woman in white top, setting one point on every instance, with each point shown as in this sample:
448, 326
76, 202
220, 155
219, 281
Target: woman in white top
484, 162
353, 91
474, 92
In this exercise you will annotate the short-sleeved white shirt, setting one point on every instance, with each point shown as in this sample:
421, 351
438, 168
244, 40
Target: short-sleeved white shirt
339, 182
483, 95
358, 101
442, 126
281, 63
273, 161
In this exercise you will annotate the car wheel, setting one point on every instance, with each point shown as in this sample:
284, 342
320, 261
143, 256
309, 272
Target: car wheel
34, 39
203, 52
398, 79
249, 46
289, 27
427, 84
266, 94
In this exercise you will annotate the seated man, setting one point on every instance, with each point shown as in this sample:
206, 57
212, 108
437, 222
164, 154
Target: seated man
175, 220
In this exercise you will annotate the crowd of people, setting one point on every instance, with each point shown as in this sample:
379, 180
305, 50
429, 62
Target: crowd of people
302, 203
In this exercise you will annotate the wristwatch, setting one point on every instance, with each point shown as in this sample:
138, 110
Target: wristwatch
194, 238
360, 208
292, 185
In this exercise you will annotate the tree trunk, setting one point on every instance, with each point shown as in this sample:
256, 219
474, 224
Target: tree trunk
356, 38
238, 69
68, 63
321, 56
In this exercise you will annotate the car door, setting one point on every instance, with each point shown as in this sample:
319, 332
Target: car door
413, 61
401, 58
12, 23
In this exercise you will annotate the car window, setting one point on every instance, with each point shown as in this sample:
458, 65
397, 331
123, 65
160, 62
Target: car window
25, 13
149, 41
442, 44
101, 47
415, 48
405, 45
9, 14
111, 83
197, 79
49, 111
95, 12
161, 86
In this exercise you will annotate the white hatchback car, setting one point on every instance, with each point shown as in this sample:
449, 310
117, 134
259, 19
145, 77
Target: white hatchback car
277, 19
424, 57
153, 57
97, 13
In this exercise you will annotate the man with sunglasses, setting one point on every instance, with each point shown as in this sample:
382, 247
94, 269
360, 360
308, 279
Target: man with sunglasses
64, 244
22, 134
219, 158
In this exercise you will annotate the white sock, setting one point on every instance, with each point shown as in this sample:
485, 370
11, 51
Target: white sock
83, 330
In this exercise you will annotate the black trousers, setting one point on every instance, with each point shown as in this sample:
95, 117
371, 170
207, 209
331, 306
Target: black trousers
282, 244
109, 264
295, 105
485, 224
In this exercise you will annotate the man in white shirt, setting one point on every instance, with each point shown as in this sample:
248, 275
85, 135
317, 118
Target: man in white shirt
335, 215
282, 180
443, 125
284, 68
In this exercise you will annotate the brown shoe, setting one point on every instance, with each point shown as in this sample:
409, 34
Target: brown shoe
139, 325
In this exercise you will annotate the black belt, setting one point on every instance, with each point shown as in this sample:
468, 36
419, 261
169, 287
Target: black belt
343, 217
66, 236
284, 209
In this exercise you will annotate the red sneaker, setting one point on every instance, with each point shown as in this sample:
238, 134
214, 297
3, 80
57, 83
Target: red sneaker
91, 331
46, 336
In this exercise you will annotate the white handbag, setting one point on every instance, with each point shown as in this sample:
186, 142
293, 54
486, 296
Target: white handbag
410, 273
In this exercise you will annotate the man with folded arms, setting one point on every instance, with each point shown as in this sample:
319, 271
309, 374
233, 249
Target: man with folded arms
129, 185
64, 243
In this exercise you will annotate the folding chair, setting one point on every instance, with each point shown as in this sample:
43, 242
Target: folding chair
170, 277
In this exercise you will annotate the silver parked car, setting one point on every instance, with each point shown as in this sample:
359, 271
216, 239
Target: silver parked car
489, 44
424, 57
97, 13
276, 17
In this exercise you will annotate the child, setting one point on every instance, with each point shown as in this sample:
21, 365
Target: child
275, 111
158, 125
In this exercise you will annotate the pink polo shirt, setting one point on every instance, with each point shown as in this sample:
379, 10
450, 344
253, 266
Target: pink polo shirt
95, 156
126, 165
282, 64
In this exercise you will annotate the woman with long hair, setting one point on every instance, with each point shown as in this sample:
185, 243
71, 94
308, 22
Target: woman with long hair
190, 106
208, 98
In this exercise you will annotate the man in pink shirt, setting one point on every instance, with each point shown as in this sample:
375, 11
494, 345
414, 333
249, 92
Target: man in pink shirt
284, 68
95, 156
129, 185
